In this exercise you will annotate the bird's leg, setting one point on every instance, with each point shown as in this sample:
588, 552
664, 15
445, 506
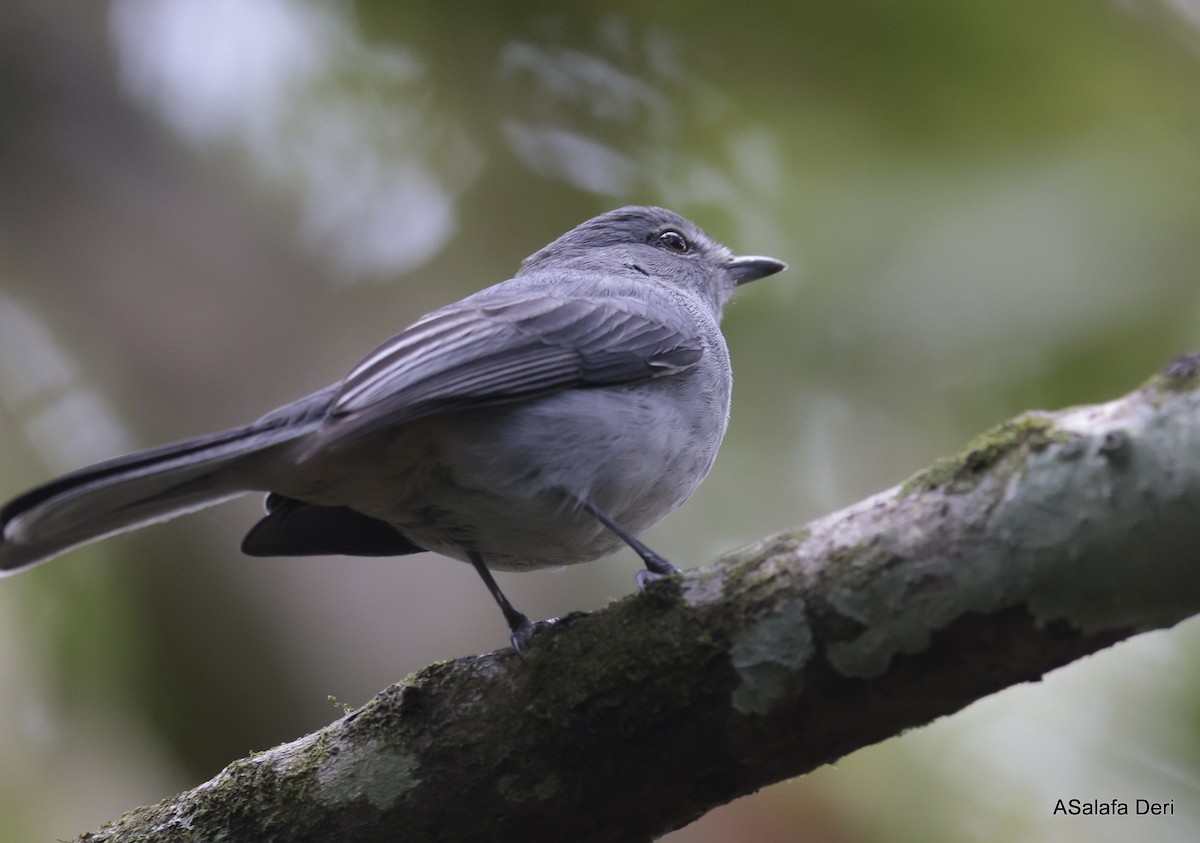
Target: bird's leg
519, 625
656, 566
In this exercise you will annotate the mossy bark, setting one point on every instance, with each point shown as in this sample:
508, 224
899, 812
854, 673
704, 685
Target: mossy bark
1054, 536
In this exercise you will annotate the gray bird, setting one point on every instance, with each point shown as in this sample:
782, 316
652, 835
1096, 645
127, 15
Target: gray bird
544, 421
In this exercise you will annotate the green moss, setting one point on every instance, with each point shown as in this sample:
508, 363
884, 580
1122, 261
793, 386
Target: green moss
742, 569
963, 472
1180, 375
310, 759
856, 566
336, 703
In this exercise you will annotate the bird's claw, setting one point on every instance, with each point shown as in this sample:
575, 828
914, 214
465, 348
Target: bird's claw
645, 576
523, 634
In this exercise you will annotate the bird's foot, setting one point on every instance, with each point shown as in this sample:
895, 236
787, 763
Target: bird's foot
646, 576
523, 632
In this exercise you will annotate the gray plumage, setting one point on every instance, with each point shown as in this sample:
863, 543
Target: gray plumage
540, 422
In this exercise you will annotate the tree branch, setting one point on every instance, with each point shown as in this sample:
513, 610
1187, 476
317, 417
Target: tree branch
1050, 537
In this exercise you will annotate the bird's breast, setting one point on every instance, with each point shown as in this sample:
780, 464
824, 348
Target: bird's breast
505, 481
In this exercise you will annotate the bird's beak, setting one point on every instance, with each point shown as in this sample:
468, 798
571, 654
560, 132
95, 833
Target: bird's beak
753, 267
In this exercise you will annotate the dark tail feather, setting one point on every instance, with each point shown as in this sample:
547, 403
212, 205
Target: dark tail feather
133, 491
295, 528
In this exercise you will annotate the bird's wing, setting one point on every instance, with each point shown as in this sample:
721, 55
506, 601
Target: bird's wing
489, 353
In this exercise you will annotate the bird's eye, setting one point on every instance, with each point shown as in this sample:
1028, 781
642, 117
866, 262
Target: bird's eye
673, 241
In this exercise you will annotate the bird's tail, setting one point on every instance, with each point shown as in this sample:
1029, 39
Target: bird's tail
136, 490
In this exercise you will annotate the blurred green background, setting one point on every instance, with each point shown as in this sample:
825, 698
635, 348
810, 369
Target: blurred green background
210, 207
